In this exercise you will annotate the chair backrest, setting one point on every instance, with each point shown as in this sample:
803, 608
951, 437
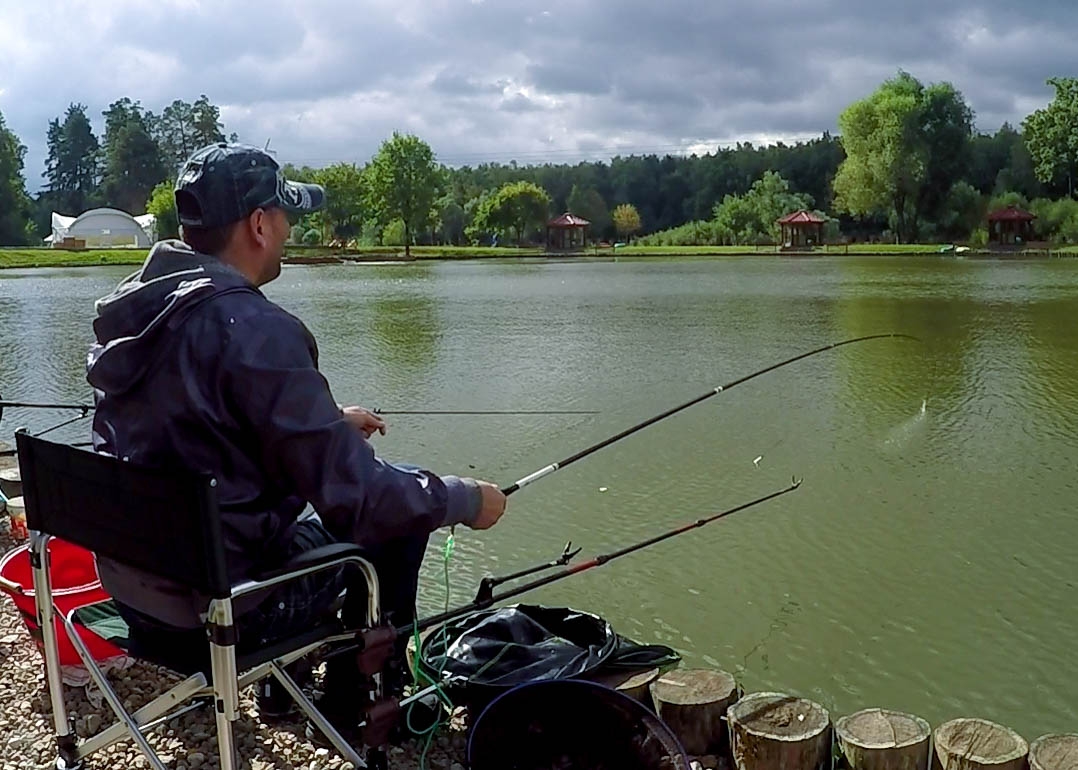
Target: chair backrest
163, 521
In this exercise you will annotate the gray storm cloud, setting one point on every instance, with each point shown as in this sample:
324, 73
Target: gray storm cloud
327, 80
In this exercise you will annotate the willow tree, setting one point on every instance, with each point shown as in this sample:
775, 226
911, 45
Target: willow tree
905, 147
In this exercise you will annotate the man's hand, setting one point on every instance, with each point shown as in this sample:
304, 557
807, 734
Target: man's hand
492, 508
362, 420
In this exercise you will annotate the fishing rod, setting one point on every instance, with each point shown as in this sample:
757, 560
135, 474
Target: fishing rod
543, 472
23, 405
483, 411
85, 408
485, 597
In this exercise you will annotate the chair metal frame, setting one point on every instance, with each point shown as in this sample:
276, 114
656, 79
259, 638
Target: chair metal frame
225, 681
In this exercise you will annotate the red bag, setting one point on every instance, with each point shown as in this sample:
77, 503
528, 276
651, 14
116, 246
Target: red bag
75, 584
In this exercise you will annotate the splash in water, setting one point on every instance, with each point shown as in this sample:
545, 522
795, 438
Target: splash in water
899, 437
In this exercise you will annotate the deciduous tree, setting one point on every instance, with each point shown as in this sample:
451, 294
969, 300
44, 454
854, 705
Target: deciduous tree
402, 182
626, 220
1052, 136
14, 204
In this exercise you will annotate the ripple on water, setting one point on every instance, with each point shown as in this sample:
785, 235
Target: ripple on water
926, 564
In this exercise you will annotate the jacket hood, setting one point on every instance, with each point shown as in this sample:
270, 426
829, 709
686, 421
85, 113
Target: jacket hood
172, 281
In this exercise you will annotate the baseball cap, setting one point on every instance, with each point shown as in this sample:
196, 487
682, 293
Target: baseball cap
224, 182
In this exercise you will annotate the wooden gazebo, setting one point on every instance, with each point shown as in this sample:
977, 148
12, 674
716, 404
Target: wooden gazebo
566, 232
801, 229
1010, 226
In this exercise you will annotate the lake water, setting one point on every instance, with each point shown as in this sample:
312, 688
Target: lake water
927, 564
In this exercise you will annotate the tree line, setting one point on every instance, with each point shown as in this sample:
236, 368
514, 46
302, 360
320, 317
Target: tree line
907, 166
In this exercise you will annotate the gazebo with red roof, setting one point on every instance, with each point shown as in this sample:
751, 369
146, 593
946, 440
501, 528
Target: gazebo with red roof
798, 229
562, 232
1010, 225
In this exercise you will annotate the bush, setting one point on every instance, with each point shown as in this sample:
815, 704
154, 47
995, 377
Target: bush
1056, 220
312, 237
393, 233
979, 237
699, 233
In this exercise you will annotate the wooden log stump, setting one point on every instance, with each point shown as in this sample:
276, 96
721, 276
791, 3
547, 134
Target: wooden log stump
693, 702
877, 739
775, 731
1054, 752
635, 684
977, 744
11, 482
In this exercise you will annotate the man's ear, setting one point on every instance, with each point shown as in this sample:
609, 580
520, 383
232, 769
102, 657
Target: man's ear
258, 224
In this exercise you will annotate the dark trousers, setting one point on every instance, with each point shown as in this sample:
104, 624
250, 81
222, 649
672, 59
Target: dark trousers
300, 604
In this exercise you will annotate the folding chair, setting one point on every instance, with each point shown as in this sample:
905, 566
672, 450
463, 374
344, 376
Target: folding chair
166, 523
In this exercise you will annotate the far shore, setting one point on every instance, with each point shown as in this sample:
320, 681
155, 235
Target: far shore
311, 255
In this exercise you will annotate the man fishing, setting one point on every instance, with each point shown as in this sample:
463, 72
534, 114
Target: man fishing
193, 365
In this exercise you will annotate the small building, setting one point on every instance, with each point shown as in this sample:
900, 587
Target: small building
1010, 226
102, 228
567, 232
801, 229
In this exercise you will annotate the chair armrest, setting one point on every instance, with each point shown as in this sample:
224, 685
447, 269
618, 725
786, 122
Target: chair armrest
314, 560
323, 555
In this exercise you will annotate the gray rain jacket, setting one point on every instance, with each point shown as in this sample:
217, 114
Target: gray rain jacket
194, 365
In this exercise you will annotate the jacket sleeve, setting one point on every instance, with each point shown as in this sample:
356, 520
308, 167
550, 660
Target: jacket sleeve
270, 377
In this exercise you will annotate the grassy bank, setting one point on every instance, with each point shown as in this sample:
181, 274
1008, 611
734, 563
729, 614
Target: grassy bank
42, 257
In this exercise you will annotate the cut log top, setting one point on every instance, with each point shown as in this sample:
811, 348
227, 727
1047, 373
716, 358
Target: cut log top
627, 680
882, 729
694, 687
1054, 752
780, 717
979, 740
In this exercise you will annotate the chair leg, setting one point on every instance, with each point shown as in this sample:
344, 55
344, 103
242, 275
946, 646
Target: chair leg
110, 695
226, 695
46, 620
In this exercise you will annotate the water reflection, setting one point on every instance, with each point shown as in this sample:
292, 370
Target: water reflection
406, 331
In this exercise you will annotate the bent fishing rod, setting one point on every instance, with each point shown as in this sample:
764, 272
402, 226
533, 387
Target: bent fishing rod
543, 472
486, 597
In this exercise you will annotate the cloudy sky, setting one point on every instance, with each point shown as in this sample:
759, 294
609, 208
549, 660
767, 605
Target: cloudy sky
531, 80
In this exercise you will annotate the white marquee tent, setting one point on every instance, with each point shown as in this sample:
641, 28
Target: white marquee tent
101, 228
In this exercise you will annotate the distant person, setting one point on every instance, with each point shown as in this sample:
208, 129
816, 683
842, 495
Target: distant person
193, 365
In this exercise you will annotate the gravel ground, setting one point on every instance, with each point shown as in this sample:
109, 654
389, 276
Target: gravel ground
187, 742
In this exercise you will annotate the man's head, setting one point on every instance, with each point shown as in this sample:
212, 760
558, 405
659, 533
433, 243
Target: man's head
234, 203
